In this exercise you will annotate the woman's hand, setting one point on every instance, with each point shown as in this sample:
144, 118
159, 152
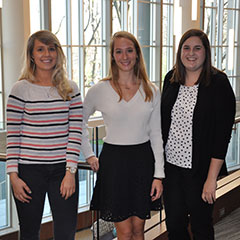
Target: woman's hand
209, 191
94, 163
210, 185
157, 189
20, 188
68, 184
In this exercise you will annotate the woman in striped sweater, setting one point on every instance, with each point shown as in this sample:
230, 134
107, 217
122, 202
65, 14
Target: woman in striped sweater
44, 117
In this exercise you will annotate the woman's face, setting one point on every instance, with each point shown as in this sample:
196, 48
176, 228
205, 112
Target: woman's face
193, 54
124, 54
44, 56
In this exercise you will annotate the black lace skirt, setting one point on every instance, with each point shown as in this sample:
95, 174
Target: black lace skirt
124, 182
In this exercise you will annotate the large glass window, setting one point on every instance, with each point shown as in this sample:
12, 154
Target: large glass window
35, 16
128, 16
79, 26
1, 81
167, 37
220, 22
84, 28
4, 188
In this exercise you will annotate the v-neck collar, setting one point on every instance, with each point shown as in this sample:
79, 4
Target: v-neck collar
123, 100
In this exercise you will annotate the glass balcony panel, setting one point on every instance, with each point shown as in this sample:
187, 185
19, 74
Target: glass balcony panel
232, 158
3, 197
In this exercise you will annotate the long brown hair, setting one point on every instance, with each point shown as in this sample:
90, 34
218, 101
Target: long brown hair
139, 67
179, 73
59, 76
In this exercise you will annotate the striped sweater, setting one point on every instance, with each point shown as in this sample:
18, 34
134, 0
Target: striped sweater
42, 128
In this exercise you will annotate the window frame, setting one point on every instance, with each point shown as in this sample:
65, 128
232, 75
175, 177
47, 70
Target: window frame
155, 46
216, 38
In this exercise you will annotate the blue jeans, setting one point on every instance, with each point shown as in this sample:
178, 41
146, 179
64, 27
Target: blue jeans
43, 179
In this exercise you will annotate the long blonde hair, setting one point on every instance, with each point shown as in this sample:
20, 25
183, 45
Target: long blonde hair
139, 67
59, 76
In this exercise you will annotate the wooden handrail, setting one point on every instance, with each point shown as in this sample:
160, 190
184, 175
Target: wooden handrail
228, 183
237, 119
226, 180
2, 157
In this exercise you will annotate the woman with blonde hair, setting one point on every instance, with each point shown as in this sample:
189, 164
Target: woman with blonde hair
44, 117
130, 167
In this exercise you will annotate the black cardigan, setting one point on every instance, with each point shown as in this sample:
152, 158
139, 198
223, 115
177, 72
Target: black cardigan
213, 118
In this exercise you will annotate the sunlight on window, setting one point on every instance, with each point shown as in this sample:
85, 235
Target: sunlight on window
84, 30
221, 21
58, 20
92, 22
117, 19
34, 16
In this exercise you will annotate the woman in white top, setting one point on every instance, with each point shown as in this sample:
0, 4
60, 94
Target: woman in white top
131, 166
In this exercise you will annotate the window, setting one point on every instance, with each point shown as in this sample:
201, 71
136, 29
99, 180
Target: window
128, 16
220, 22
167, 37
2, 117
84, 28
80, 27
4, 192
35, 23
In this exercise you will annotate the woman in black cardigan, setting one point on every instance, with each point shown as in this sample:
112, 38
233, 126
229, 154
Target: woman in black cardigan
198, 109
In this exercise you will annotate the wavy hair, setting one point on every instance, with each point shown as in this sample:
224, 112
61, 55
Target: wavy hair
139, 67
179, 74
59, 76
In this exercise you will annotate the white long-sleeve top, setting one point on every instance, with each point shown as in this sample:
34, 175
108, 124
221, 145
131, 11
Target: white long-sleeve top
126, 123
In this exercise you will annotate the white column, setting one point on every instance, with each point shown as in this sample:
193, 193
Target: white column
183, 18
187, 22
15, 30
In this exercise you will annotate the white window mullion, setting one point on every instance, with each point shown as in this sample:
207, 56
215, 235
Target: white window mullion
68, 38
134, 13
219, 34
124, 16
81, 44
105, 39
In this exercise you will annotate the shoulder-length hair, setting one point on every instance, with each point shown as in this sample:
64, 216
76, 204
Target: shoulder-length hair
59, 76
179, 74
139, 67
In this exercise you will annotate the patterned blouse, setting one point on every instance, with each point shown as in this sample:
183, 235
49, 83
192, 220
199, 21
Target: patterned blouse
179, 145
